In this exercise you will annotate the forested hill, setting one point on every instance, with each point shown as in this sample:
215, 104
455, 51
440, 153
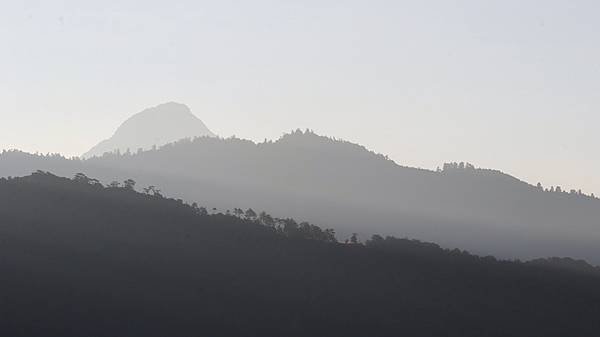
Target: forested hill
82, 259
351, 189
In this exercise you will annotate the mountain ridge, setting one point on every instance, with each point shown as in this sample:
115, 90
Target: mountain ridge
353, 190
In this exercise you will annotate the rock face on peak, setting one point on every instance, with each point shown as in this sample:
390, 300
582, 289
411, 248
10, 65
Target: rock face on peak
155, 126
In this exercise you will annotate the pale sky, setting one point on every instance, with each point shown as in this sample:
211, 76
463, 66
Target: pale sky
511, 85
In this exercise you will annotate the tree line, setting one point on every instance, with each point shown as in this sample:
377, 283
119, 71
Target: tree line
284, 226
463, 166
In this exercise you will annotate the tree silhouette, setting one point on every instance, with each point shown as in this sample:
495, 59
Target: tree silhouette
266, 219
152, 190
114, 184
129, 184
238, 212
81, 178
250, 214
290, 227
376, 239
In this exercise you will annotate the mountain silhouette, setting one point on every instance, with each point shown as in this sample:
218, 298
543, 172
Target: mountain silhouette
81, 259
344, 186
155, 126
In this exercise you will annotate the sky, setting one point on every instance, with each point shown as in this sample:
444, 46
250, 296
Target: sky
509, 85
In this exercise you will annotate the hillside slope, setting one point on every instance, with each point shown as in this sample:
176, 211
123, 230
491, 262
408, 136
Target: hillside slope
84, 260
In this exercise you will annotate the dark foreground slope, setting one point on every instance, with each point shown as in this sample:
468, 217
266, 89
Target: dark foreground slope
82, 260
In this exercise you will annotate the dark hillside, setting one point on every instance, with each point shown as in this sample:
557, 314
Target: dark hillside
79, 259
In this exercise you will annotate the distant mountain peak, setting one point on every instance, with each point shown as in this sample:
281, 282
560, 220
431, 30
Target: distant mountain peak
156, 126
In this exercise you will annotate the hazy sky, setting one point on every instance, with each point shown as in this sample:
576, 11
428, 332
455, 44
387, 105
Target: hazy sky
512, 85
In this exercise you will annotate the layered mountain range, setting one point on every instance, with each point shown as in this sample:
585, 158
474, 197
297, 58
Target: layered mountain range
345, 186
